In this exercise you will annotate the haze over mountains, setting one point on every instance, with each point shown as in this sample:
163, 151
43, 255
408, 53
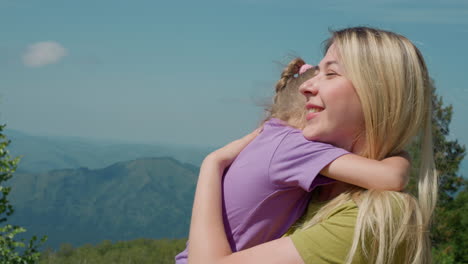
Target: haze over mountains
97, 196
44, 153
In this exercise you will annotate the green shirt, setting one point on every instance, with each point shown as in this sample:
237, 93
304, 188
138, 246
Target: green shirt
330, 240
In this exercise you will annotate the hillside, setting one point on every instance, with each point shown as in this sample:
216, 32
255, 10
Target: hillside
150, 197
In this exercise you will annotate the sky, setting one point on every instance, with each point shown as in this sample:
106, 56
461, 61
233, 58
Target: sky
193, 72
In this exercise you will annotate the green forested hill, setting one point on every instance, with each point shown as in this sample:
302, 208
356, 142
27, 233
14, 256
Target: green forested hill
148, 198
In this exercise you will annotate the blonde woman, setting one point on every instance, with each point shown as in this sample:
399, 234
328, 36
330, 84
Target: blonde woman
268, 187
371, 95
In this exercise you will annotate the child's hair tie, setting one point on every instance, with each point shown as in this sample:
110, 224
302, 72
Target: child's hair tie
304, 68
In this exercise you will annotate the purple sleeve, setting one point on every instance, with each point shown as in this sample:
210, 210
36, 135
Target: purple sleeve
297, 161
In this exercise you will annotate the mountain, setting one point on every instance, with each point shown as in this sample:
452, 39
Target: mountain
148, 197
44, 153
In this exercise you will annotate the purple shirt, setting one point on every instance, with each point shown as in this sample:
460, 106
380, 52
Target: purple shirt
267, 187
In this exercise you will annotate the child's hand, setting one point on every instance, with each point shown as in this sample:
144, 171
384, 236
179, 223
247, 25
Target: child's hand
401, 165
405, 165
226, 155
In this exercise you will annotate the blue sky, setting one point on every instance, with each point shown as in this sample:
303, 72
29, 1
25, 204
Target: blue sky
192, 72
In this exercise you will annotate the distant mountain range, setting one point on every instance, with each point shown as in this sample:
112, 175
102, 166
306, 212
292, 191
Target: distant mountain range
44, 153
148, 198
78, 191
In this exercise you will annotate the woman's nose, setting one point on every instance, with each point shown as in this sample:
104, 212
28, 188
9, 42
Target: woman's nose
309, 88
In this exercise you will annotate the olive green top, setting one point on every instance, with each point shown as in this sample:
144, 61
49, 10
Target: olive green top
330, 240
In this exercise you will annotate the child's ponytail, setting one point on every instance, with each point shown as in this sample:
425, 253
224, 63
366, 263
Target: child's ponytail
288, 104
288, 73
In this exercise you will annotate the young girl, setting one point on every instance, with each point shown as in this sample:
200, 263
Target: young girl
267, 187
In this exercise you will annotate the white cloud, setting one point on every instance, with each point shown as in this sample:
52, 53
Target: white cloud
43, 53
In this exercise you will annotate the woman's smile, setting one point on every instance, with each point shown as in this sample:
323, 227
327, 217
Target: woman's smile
334, 113
313, 111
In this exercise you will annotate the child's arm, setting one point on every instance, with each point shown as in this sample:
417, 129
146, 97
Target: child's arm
388, 174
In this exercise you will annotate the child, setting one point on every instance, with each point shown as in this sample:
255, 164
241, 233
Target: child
267, 187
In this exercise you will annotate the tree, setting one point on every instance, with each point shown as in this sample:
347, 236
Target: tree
447, 231
452, 243
448, 154
12, 250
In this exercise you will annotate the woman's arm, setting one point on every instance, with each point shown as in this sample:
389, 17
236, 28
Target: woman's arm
390, 174
208, 241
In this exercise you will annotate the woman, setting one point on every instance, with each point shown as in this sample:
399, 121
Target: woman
371, 95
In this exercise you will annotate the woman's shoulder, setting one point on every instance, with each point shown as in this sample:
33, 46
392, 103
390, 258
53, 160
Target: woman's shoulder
348, 207
330, 239
343, 214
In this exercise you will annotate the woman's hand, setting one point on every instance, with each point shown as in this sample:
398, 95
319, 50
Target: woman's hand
226, 155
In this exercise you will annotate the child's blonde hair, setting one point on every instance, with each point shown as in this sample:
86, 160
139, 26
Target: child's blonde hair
392, 83
288, 104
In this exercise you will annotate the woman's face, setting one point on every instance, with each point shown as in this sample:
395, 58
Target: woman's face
334, 112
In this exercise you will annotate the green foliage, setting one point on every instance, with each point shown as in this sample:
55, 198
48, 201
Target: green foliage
448, 154
443, 255
449, 235
139, 251
12, 251
451, 229
7, 167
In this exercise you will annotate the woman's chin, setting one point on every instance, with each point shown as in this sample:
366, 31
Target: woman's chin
312, 137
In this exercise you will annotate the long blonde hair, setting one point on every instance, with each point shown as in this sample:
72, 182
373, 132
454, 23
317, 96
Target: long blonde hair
392, 83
